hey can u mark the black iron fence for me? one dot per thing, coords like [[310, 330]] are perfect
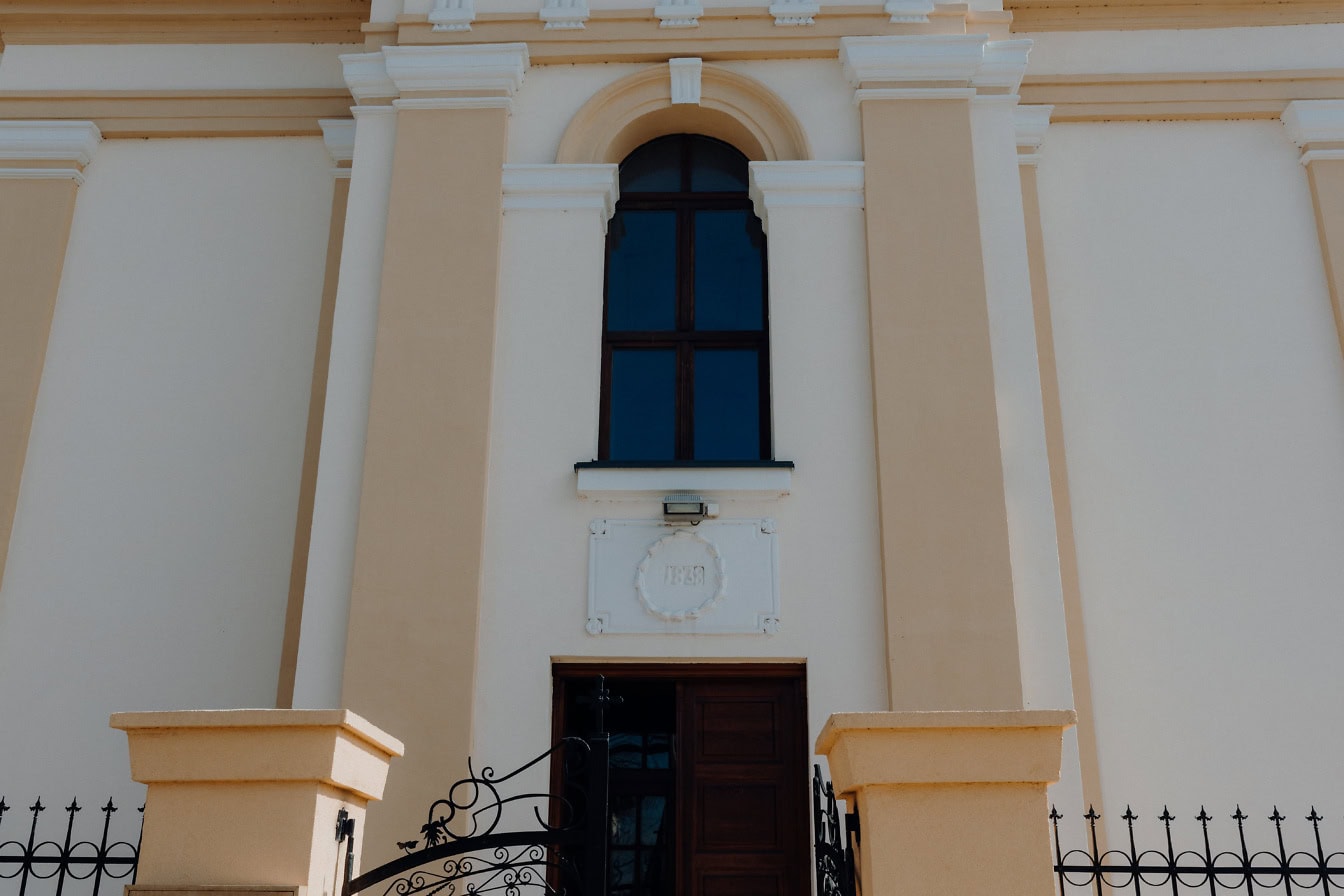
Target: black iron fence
[[833, 842], [1257, 858], [78, 863]]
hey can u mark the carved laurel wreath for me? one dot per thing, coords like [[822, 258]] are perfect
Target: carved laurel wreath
[[680, 615]]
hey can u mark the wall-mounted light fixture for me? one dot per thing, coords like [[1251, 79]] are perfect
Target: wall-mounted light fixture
[[688, 509]]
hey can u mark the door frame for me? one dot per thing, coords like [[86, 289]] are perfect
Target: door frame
[[795, 671]]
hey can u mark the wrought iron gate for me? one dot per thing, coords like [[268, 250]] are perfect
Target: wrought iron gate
[[832, 844], [481, 837]]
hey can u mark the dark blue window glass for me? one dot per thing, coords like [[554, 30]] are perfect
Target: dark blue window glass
[[642, 271], [685, 339], [653, 168], [717, 167], [729, 281], [727, 404], [643, 404]]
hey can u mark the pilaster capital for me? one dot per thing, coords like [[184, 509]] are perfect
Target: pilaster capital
[[924, 66], [1317, 126], [776, 185], [455, 76], [468, 67], [1029, 125], [338, 135], [562, 187], [47, 149]]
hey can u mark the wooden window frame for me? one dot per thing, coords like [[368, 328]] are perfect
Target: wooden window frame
[[685, 340]]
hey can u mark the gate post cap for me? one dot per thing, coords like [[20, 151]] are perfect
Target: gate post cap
[[866, 749], [331, 746]]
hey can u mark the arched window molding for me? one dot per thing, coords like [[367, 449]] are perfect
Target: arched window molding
[[638, 108]]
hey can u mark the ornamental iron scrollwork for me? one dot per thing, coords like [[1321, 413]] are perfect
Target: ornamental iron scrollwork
[[833, 843], [490, 834]]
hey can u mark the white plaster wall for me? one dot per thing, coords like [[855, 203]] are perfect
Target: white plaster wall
[[173, 66], [1203, 403], [545, 419], [149, 563]]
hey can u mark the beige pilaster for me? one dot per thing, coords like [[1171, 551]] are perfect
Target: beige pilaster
[[41, 166], [339, 137], [411, 651], [952, 638], [1317, 126], [250, 797], [949, 802]]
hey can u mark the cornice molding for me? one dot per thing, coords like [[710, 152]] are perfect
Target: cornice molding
[[563, 187], [1130, 15], [1180, 96], [49, 141], [1029, 125], [1314, 121], [1003, 65], [182, 21], [903, 63], [722, 33], [905, 58], [468, 67], [338, 135], [366, 76], [804, 184]]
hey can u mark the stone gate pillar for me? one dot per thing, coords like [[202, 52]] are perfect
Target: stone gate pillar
[[250, 797], [949, 802]]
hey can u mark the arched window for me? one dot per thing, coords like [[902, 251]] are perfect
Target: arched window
[[685, 342]]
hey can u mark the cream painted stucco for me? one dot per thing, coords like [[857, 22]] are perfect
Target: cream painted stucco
[[535, 578], [1202, 392], [172, 66], [1197, 50], [151, 545]]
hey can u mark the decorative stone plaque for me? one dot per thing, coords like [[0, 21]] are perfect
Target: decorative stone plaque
[[651, 577]]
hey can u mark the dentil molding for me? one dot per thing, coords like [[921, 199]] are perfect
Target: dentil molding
[[560, 15], [804, 184], [452, 15], [679, 13], [1029, 126], [795, 12], [946, 60]]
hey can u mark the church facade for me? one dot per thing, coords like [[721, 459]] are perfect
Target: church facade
[[431, 359]]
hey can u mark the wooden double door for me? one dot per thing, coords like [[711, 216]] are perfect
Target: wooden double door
[[708, 776]]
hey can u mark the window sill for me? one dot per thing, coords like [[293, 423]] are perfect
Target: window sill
[[761, 480]]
